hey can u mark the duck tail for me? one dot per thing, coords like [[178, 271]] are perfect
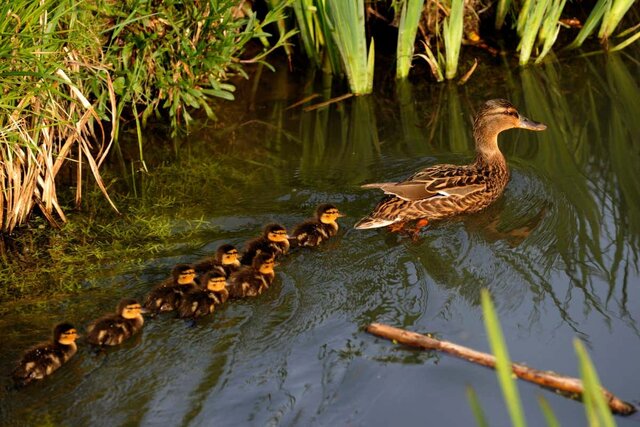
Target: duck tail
[[370, 222]]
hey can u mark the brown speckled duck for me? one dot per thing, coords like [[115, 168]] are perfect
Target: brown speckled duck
[[45, 358], [315, 231], [274, 240], [115, 328], [445, 190]]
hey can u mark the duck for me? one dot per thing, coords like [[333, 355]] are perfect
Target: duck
[[225, 260], [314, 231], [446, 190], [274, 239], [45, 358], [203, 301], [167, 295], [251, 281], [115, 328]]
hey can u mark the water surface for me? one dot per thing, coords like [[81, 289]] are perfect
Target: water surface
[[559, 253]]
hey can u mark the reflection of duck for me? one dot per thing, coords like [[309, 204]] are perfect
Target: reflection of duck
[[167, 295], [251, 281], [114, 328], [203, 301], [274, 240], [225, 260], [442, 191], [45, 358], [314, 231]]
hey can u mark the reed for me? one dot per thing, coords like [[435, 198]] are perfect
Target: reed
[[607, 13], [410, 13], [452, 36], [347, 25], [538, 24]]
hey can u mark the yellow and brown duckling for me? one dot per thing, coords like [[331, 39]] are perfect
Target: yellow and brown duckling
[[115, 328], [226, 260], [251, 281], [203, 301], [315, 231], [45, 358], [167, 295], [274, 239], [446, 190]]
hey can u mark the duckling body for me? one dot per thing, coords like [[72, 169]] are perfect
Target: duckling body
[[115, 328], [225, 261], [274, 240], [167, 296], [45, 358], [251, 281], [445, 190], [319, 229], [203, 301]]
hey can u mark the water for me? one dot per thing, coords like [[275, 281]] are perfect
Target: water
[[559, 253]]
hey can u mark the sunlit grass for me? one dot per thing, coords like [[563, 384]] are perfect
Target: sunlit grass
[[347, 25], [452, 36], [410, 13]]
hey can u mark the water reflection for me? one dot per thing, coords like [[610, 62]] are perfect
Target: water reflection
[[558, 252]]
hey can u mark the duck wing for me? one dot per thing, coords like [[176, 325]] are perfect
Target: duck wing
[[436, 181]]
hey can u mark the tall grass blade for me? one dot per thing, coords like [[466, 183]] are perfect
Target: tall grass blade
[[596, 408], [478, 413], [530, 31], [626, 43], [547, 412], [501, 12], [550, 28], [503, 362], [590, 24], [348, 30], [612, 17], [452, 35], [411, 11]]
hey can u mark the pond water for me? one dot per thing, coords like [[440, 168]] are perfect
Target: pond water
[[559, 253]]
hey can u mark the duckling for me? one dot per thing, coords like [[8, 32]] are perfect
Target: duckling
[[314, 231], [252, 281], [225, 260], [443, 191], [203, 301], [45, 358], [166, 296], [114, 328], [274, 239]]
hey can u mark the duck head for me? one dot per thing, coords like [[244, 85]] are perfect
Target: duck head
[[65, 334], [130, 309], [214, 281], [183, 274], [276, 233], [227, 255], [495, 116], [327, 213], [264, 263]]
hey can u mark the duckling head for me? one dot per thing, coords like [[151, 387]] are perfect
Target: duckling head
[[130, 308], [328, 213], [183, 274], [495, 116], [227, 255], [65, 334], [276, 233], [264, 263], [214, 281]]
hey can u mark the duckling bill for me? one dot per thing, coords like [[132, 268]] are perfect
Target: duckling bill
[[43, 359], [319, 229], [446, 190], [115, 328]]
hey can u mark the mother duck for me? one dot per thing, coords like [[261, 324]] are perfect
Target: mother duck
[[442, 191]]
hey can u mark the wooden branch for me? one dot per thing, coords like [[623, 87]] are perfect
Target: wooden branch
[[568, 385]]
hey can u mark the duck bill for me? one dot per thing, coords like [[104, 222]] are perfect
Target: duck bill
[[530, 124]]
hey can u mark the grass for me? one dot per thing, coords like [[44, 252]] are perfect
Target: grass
[[72, 72], [410, 13], [596, 408]]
